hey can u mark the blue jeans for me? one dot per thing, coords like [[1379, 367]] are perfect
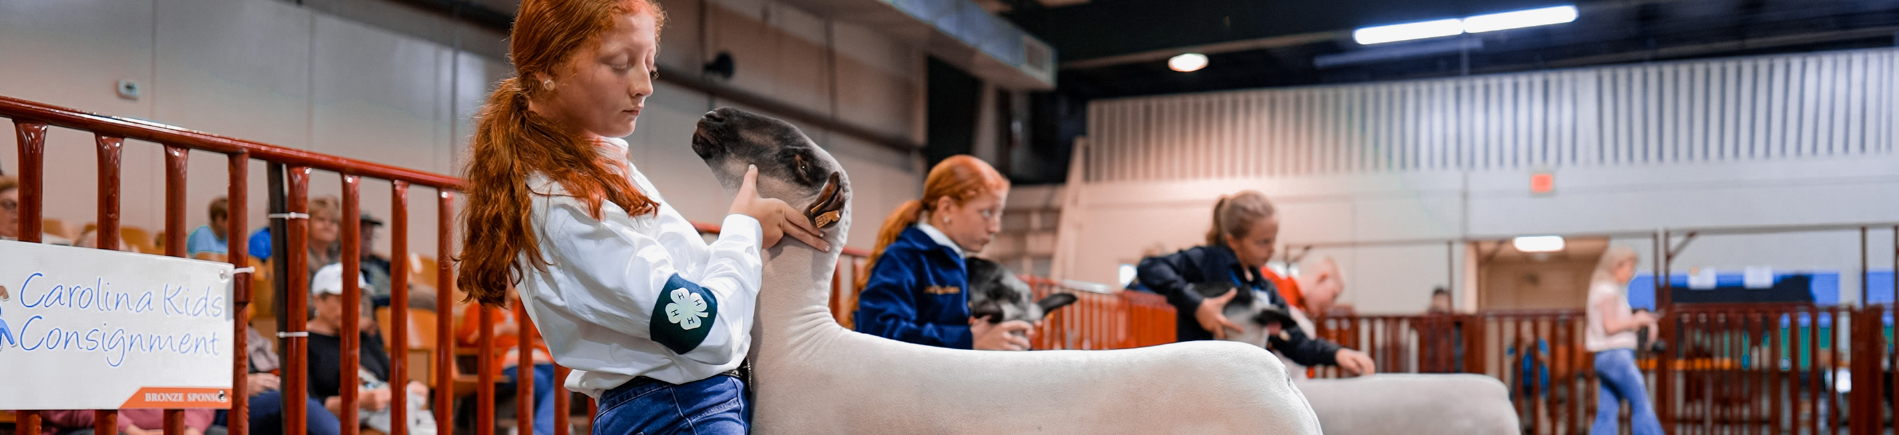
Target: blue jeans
[[267, 416], [711, 406], [1621, 381], [543, 396]]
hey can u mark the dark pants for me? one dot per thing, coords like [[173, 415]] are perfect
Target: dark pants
[[711, 406], [267, 416], [543, 376]]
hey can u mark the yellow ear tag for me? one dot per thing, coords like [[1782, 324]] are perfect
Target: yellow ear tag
[[827, 219]]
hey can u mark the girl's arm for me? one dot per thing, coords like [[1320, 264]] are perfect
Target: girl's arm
[[621, 279], [1169, 274]]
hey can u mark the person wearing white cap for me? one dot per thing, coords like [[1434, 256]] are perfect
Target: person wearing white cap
[[326, 356]]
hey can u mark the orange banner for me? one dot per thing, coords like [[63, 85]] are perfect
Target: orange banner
[[178, 398]]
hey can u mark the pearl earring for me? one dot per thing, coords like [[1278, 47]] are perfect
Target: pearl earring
[[548, 84]]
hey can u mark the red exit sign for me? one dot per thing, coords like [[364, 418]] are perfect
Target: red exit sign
[[1543, 183]]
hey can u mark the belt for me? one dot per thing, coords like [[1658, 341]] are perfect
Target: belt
[[642, 380]]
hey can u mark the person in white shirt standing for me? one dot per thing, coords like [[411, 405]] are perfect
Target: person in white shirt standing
[[653, 320], [1610, 334]]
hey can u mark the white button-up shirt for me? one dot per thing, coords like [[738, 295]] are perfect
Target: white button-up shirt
[[627, 296]]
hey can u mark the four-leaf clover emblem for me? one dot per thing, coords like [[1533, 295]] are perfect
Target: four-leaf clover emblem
[[686, 309]]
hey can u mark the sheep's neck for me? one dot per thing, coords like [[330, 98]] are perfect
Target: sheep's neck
[[797, 286]]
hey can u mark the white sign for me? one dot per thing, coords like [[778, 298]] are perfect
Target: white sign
[[1758, 277], [93, 329], [1703, 279]]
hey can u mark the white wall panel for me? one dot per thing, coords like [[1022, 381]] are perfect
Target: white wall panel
[[1798, 106]]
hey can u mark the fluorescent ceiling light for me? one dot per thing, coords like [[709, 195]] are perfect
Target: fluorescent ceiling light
[[1475, 24], [1189, 62], [1538, 243], [1520, 19], [1408, 31]]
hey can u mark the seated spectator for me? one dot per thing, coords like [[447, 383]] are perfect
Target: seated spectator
[[10, 214], [131, 422], [323, 241], [507, 339], [211, 238], [378, 269], [326, 361], [259, 244], [324, 237], [264, 388]]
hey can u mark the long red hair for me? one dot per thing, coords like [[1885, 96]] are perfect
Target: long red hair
[[959, 177], [512, 143]]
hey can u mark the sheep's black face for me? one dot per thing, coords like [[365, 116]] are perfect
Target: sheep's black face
[[1251, 311], [790, 166], [996, 295]]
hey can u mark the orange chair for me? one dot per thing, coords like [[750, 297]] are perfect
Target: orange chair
[[58, 228], [422, 343], [140, 240]]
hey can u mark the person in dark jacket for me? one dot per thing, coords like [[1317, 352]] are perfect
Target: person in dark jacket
[[916, 289], [1239, 244]]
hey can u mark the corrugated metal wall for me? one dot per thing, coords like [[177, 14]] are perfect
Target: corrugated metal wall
[[1830, 104]]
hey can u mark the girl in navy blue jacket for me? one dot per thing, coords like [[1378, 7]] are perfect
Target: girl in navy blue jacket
[[1239, 244], [916, 289]]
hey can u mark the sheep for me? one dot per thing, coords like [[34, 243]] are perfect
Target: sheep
[[812, 376], [996, 295], [1385, 403]]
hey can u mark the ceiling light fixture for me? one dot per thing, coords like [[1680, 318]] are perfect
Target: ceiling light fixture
[[1538, 243], [1408, 31], [1188, 62], [1520, 19], [1473, 24]]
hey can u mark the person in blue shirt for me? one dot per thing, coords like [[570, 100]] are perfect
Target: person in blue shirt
[[260, 245], [212, 238], [1532, 355], [916, 290], [1244, 231]]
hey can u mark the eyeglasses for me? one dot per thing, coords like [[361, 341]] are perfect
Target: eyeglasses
[[10, 205]]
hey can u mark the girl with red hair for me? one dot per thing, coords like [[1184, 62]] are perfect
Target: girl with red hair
[[653, 320], [916, 290]]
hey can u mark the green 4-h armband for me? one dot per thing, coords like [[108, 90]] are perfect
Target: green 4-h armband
[[683, 315]]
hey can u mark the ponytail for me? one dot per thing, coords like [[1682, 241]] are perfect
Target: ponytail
[[510, 145], [1213, 232], [906, 215], [1234, 215]]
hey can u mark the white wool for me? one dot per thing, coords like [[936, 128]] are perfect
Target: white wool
[[1412, 404], [812, 376]]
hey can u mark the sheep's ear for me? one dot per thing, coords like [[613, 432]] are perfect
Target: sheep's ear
[[827, 211], [1271, 315], [988, 312], [1054, 301]]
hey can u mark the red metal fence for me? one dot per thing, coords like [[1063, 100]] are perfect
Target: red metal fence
[[1730, 368]]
